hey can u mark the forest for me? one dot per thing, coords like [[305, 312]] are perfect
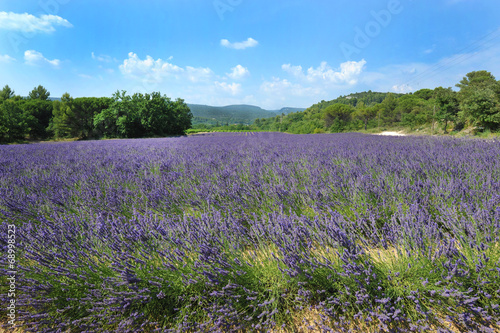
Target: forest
[[37, 117], [475, 106]]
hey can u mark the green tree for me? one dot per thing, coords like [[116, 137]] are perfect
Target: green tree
[[407, 110], [337, 117], [145, 115], [6, 93], [116, 120], [83, 112], [483, 108], [418, 116], [62, 113], [388, 112], [13, 122], [39, 114], [479, 98], [424, 94], [182, 117], [364, 113], [448, 106], [475, 80], [39, 93]]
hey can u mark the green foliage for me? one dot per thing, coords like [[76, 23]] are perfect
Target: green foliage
[[337, 116], [476, 80], [424, 94], [477, 103], [418, 116], [39, 93], [483, 107], [61, 124], [6, 93], [479, 98], [147, 115], [38, 112], [13, 122], [447, 103], [388, 113], [364, 113], [82, 114]]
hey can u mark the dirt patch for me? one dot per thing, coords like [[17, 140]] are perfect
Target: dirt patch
[[387, 133]]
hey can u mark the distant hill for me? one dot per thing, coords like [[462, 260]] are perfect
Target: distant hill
[[233, 114]]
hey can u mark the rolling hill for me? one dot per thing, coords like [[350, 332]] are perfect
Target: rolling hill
[[233, 114]]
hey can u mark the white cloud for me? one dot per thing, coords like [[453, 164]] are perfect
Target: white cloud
[[283, 87], [198, 74], [135, 67], [103, 58], [30, 23], [233, 88], [6, 58], [238, 72], [149, 69], [402, 88], [278, 93], [250, 42], [311, 85], [294, 70], [32, 57], [348, 73]]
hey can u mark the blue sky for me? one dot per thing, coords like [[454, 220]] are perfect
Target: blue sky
[[267, 53]]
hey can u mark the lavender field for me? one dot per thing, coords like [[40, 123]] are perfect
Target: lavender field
[[254, 232]]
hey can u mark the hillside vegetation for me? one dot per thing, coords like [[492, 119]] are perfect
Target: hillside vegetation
[[476, 106]]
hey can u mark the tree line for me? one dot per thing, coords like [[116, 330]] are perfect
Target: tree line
[[475, 105], [37, 117]]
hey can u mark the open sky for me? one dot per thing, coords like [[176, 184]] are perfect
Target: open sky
[[268, 53]]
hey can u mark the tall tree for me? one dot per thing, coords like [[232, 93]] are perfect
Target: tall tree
[[477, 79], [82, 116], [483, 108], [388, 107], [6, 93], [364, 113], [479, 98], [39, 93], [425, 94], [62, 113], [13, 122], [337, 116], [143, 116], [448, 106], [39, 113]]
